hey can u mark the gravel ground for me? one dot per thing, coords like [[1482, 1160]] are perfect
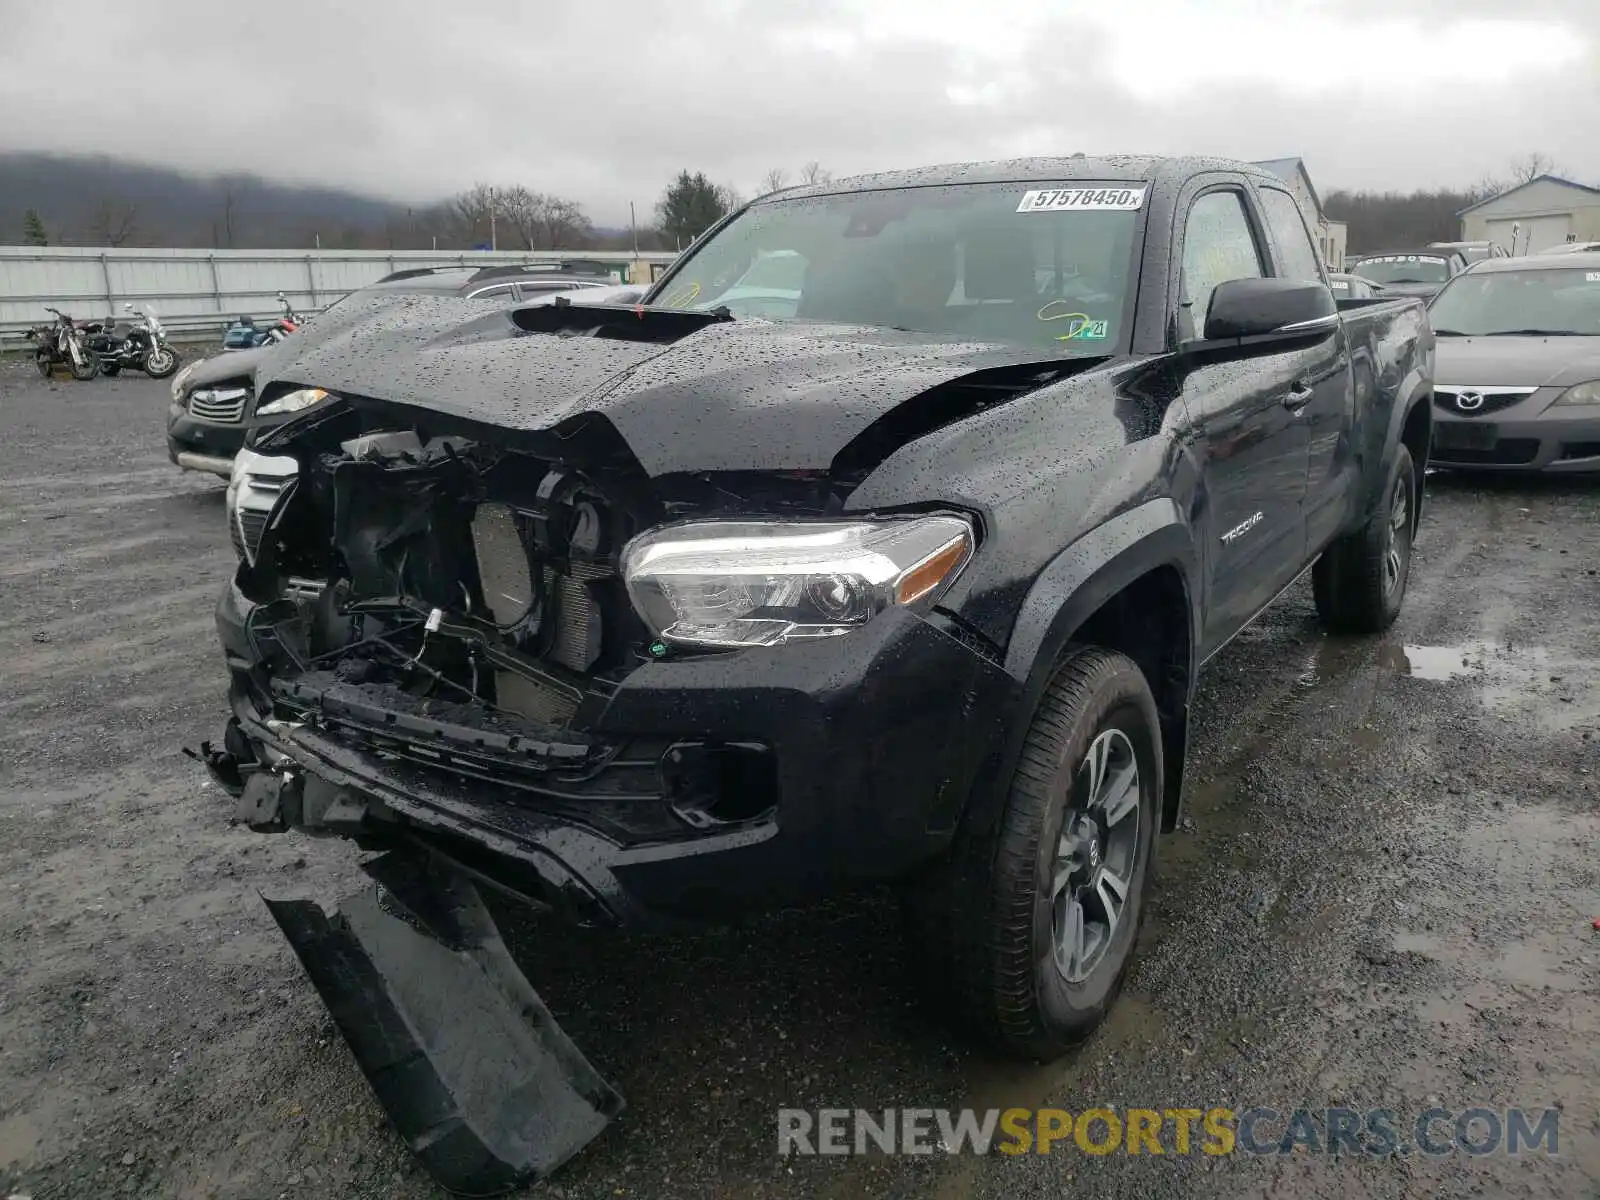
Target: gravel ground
[[1382, 896]]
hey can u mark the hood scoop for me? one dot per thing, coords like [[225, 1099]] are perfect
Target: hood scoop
[[621, 322]]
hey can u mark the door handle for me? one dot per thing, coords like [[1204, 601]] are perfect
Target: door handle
[[1298, 395]]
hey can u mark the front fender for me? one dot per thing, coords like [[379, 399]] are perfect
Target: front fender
[[1097, 566], [1072, 588]]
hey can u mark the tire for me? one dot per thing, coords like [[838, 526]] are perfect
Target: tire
[[1359, 583], [989, 922], [110, 369], [90, 368], [160, 362], [41, 361]]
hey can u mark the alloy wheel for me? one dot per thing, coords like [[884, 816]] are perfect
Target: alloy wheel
[[1399, 538], [1096, 856]]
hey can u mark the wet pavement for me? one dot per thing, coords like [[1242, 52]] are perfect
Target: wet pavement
[[1381, 898]]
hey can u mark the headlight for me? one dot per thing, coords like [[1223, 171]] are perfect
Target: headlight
[[291, 402], [719, 583], [1581, 393], [181, 378]]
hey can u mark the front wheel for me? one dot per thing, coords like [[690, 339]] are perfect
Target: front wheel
[[87, 369], [160, 362], [1032, 921], [110, 369], [1360, 581]]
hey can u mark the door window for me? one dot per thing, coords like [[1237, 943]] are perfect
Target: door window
[[1217, 246], [1296, 256]]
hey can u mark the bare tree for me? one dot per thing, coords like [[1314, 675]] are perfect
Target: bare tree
[[563, 224], [112, 222], [773, 181], [728, 197], [471, 211], [541, 221], [1525, 168], [813, 172], [517, 210]]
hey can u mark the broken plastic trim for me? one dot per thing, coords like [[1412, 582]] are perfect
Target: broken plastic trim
[[463, 1055]]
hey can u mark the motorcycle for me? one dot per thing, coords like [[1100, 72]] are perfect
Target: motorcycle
[[138, 345], [244, 335], [62, 341]]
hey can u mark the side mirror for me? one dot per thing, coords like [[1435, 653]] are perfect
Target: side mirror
[[1255, 308]]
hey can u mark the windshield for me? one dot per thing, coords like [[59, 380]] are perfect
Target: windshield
[[1564, 301], [998, 262], [1403, 268]]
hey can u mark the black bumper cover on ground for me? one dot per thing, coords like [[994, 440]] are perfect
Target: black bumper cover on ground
[[465, 1058]]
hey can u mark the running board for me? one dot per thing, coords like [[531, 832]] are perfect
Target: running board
[[472, 1069]]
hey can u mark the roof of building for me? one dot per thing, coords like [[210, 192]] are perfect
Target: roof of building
[[1582, 187], [1286, 168]]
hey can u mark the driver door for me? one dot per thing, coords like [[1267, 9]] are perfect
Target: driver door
[[1251, 448]]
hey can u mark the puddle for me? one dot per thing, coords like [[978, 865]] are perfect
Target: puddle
[[1562, 693], [1442, 662]]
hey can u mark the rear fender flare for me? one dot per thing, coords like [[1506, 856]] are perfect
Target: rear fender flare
[[1415, 389]]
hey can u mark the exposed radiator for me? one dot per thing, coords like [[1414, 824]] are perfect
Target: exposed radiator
[[502, 564], [574, 635]]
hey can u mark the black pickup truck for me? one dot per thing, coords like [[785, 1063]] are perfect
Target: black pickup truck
[[653, 614]]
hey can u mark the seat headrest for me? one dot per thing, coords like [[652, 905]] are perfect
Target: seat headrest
[[999, 264]]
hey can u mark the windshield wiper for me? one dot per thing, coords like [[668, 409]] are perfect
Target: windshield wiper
[[1450, 333], [1537, 333]]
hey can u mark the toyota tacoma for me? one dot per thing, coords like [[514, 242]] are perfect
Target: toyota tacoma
[[654, 614]]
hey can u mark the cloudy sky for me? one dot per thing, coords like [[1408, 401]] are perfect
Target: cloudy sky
[[603, 100]]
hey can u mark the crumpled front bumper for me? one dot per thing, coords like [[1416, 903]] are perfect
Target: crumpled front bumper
[[867, 747]]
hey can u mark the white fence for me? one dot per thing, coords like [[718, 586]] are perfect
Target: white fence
[[204, 289]]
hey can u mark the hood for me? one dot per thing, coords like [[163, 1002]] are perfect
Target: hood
[[1516, 361], [227, 365], [686, 392]]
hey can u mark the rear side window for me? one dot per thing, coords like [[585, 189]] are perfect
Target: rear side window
[[1297, 255], [1217, 246]]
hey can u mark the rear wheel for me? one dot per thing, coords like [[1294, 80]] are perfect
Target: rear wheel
[[41, 360], [1360, 581], [110, 369], [1032, 922]]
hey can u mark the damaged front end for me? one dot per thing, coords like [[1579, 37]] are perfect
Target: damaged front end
[[503, 659]]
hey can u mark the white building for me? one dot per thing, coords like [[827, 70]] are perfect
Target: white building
[[1543, 212], [1330, 235]]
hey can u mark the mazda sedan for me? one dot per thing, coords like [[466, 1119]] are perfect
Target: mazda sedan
[[1518, 366]]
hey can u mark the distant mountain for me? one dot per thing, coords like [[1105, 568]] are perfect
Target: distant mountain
[[103, 201]]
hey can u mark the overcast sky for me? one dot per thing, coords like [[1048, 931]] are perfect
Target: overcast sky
[[603, 100]]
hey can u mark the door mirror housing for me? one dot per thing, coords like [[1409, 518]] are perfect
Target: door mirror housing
[[1276, 309]]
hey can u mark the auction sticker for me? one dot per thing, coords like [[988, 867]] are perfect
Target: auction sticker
[[1083, 200]]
